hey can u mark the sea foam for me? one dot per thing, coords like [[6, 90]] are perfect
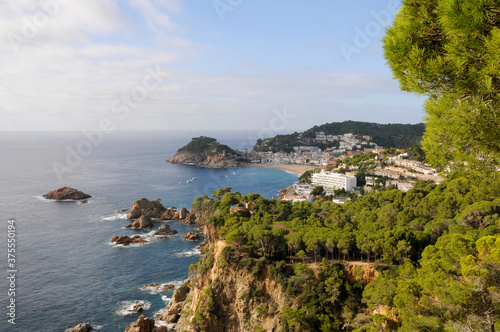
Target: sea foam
[[127, 307], [188, 253], [116, 216]]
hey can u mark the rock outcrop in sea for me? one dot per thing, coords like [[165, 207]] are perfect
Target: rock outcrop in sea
[[143, 324], [183, 215], [158, 287], [83, 327], [142, 222], [145, 207], [126, 240], [165, 230], [66, 193], [192, 236]]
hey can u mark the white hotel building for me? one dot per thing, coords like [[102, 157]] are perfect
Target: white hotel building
[[334, 180]]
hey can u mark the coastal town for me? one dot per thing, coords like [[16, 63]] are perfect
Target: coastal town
[[354, 166]]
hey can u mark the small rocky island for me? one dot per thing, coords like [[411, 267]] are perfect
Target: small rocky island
[[207, 152], [66, 193]]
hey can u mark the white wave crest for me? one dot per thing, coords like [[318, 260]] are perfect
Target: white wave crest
[[159, 289], [158, 314], [41, 198], [188, 253], [127, 307], [162, 323], [116, 216]]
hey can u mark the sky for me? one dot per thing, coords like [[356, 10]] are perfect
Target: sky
[[273, 66]]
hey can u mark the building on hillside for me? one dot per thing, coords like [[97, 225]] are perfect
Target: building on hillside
[[309, 198], [404, 186], [370, 181], [334, 180], [341, 200], [301, 149], [302, 189]]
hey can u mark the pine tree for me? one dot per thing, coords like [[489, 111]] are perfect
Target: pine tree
[[449, 50]]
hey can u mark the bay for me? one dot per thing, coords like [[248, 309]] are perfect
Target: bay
[[67, 270]]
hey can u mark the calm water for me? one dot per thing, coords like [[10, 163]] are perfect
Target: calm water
[[67, 271]]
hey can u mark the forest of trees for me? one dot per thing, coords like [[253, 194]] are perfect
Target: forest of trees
[[436, 247], [207, 145]]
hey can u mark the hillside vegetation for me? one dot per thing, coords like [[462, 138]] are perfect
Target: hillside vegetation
[[436, 249], [387, 135], [205, 145]]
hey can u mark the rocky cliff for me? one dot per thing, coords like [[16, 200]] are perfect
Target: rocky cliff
[[204, 160], [228, 298], [228, 293]]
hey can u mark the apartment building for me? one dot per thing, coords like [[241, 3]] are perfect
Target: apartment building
[[334, 180]]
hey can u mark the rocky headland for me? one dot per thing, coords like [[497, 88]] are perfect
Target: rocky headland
[[66, 193], [207, 152]]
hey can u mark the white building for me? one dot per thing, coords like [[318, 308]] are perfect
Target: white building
[[334, 180], [294, 199], [302, 189], [341, 200], [301, 149]]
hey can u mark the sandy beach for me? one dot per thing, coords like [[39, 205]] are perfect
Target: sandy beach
[[297, 169]]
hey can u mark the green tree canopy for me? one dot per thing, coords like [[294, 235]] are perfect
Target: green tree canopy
[[449, 51], [318, 191]]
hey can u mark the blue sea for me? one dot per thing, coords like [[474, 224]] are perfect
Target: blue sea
[[67, 270]]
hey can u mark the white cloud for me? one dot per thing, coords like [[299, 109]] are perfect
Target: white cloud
[[70, 61], [155, 18], [90, 53]]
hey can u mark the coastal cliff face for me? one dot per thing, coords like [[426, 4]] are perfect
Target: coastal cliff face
[[202, 159], [226, 298], [224, 294]]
